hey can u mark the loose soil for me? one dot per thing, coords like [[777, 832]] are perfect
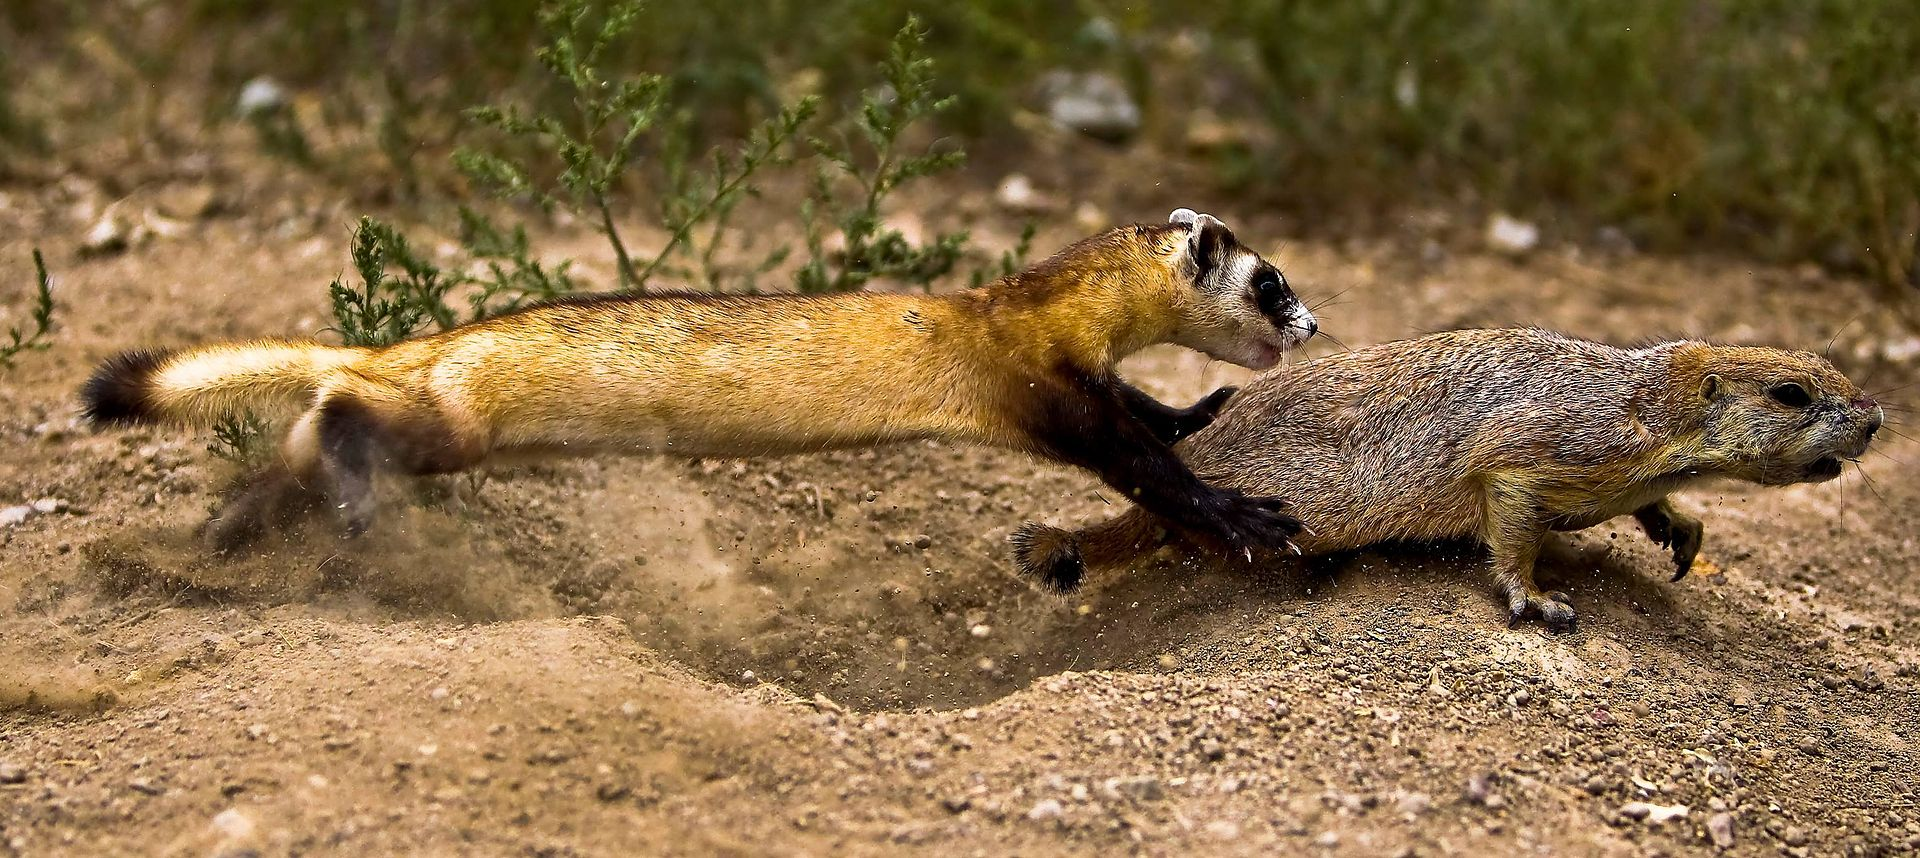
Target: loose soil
[[829, 655]]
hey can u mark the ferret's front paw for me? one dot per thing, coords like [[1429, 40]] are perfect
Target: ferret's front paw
[[1250, 524], [1554, 608]]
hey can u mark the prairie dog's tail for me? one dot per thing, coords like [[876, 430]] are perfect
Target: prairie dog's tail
[[200, 385], [1057, 559]]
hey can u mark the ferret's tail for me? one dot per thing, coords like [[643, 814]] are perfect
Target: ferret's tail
[[1057, 559], [198, 386]]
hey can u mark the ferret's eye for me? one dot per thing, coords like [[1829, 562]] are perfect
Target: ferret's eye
[[1269, 291], [1790, 394]]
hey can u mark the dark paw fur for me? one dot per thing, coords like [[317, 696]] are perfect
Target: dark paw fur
[[266, 501], [1198, 416], [1251, 524], [1202, 413], [1048, 555]]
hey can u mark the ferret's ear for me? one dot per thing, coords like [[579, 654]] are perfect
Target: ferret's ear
[[1710, 387], [1207, 238]]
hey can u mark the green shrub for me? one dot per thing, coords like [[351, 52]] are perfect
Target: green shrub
[[1787, 128], [21, 339]]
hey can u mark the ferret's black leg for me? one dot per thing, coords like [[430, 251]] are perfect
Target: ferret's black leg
[[350, 444], [1170, 424], [1089, 426]]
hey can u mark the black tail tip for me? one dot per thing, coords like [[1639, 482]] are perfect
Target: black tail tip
[[1048, 555], [120, 391]]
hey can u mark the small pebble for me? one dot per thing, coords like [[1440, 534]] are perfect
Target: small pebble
[[12, 774], [1720, 828], [1046, 809]]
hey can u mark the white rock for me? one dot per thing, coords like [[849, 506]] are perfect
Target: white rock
[[1096, 104], [108, 235], [1653, 813], [14, 515], [261, 95], [49, 506], [233, 824], [981, 631], [1512, 235], [1017, 193], [1902, 351], [1046, 809]]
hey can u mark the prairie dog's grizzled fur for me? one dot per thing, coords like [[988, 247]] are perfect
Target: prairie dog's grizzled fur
[[1503, 435], [1025, 363]]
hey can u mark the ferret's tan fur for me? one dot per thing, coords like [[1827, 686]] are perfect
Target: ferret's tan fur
[[1026, 363]]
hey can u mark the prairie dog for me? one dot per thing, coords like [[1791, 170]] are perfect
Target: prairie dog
[[1025, 363], [1501, 435]]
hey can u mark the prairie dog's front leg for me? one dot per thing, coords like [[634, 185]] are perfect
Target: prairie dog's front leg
[[1672, 529], [1514, 534]]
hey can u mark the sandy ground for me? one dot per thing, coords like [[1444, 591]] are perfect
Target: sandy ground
[[828, 654]]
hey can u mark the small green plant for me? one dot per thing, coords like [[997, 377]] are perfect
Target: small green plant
[[240, 439], [385, 308], [511, 276], [703, 201], [1011, 262], [876, 164], [596, 145], [35, 338]]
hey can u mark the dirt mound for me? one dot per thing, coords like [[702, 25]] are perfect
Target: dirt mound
[[829, 654]]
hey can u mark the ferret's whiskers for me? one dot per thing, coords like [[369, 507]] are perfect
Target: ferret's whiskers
[[1329, 299], [1336, 341]]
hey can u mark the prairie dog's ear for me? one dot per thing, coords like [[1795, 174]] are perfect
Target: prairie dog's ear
[[1207, 238]]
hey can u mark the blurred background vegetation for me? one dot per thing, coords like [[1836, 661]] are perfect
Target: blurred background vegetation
[[1789, 130]]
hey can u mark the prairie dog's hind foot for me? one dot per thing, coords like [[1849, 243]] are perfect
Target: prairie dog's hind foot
[[1674, 530], [1553, 607]]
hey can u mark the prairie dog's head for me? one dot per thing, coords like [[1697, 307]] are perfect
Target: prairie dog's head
[[1238, 306], [1778, 417]]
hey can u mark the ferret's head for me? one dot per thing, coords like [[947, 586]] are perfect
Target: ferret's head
[[1778, 417], [1239, 307]]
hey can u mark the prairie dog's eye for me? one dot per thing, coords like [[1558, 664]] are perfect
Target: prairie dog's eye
[[1790, 394]]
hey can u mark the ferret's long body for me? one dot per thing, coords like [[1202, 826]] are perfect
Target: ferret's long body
[[1026, 363]]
